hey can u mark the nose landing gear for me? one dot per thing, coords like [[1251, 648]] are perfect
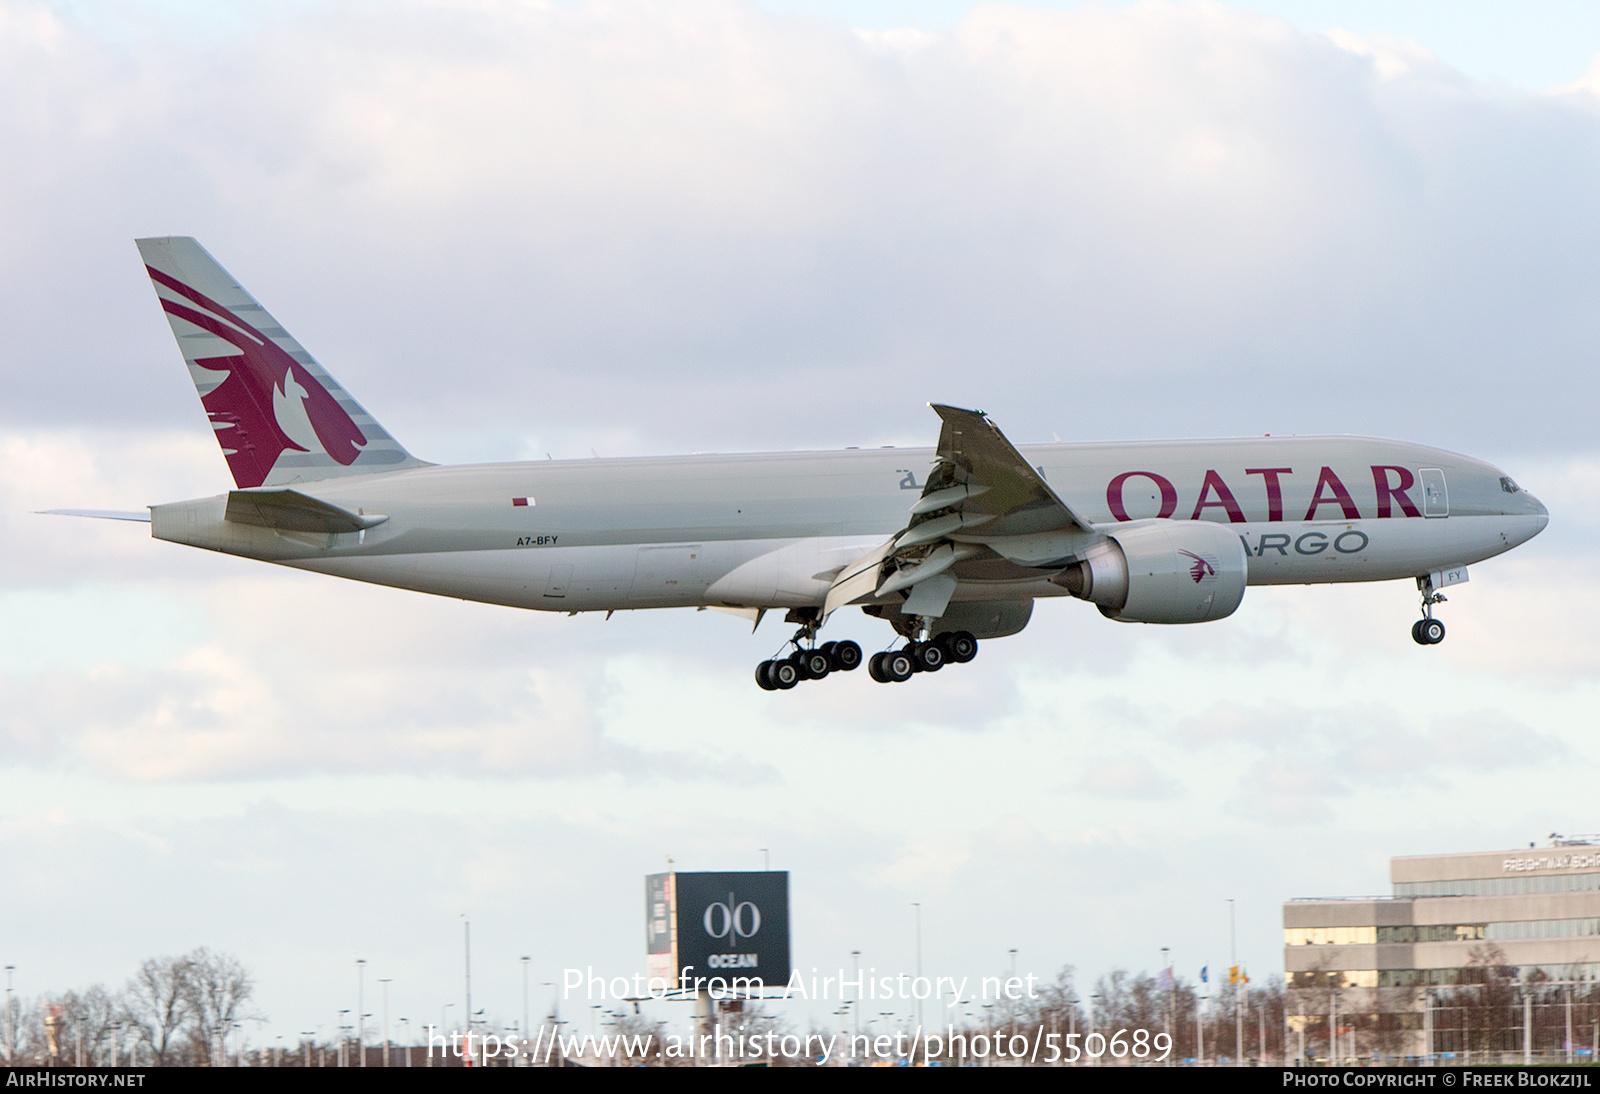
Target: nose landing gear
[[1428, 631]]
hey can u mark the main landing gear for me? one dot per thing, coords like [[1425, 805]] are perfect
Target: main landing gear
[[898, 666], [1428, 631], [810, 661], [807, 663]]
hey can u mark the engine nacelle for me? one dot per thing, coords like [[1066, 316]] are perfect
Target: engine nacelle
[[1162, 571]]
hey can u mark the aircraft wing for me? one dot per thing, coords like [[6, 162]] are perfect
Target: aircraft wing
[[982, 500], [975, 458]]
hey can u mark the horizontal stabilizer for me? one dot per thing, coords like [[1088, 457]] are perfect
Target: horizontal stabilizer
[[142, 515], [292, 511]]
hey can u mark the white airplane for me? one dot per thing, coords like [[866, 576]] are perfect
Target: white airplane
[[947, 545]]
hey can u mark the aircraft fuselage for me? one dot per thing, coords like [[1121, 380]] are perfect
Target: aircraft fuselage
[[771, 530]]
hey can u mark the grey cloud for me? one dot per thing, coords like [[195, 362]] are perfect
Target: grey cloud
[[1296, 759], [705, 223]]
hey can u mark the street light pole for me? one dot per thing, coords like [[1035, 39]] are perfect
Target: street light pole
[[918, 907], [11, 1022], [855, 955], [1233, 974], [1172, 993], [361, 1010], [467, 965], [385, 983], [525, 1026]]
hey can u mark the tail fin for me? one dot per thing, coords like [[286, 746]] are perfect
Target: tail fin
[[279, 417]]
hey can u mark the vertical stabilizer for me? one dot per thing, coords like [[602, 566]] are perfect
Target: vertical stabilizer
[[279, 417]]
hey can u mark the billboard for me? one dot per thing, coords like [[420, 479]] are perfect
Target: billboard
[[708, 928]]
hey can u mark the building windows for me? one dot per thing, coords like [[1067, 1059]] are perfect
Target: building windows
[[1443, 932], [1330, 936], [1543, 928], [1499, 886], [1434, 932], [1477, 974], [1348, 978]]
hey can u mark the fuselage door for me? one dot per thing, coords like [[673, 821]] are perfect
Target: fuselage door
[[560, 579], [1435, 498], [667, 571]]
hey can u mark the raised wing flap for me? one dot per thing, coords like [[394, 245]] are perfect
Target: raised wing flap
[[857, 580], [981, 501], [974, 453], [292, 511]]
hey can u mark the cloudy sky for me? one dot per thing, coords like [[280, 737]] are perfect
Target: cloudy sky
[[626, 227]]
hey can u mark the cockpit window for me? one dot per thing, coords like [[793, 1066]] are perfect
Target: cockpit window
[[1507, 485]]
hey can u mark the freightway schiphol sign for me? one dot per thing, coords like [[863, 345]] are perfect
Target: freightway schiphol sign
[[718, 932]]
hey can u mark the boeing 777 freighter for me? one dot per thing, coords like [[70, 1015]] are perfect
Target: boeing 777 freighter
[[947, 545]]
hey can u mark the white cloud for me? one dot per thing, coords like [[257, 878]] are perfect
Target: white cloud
[[1392, 57], [1133, 777]]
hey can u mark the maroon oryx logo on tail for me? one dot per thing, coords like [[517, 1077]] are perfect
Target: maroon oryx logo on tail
[[1201, 568], [244, 406]]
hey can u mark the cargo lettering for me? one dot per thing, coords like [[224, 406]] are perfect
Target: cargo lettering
[[1348, 542]]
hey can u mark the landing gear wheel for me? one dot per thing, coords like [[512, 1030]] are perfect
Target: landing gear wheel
[[875, 668], [897, 665], [961, 646], [817, 664], [926, 656], [1428, 631], [761, 676], [846, 656], [784, 675]]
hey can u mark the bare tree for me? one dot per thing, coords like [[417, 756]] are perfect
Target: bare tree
[[217, 988], [85, 1022], [158, 1005]]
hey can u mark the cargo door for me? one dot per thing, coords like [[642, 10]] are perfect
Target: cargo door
[[667, 572]]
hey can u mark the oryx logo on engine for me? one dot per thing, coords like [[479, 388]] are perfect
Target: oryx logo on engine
[[1201, 568]]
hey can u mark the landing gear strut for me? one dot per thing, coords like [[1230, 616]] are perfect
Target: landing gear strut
[[1428, 631]]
